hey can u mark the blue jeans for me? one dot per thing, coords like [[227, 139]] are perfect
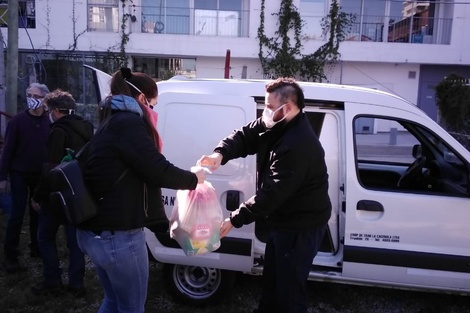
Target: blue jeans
[[49, 223], [21, 186], [121, 262], [288, 259]]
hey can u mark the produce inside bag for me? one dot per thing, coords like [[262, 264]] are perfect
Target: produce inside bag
[[195, 220]]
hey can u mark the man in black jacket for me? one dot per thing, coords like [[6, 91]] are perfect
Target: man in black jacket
[[68, 131], [291, 197]]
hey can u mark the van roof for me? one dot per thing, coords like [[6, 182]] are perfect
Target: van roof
[[316, 92]]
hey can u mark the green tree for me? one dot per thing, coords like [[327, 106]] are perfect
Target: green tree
[[281, 55], [453, 102]]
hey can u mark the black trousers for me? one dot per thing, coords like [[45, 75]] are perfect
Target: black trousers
[[288, 259]]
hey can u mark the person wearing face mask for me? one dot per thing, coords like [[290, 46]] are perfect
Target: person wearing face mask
[[68, 131], [20, 169], [291, 197], [126, 170]]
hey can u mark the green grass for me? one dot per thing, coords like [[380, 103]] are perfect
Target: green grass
[[16, 297]]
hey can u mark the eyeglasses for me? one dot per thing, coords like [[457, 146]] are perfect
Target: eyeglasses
[[29, 95]]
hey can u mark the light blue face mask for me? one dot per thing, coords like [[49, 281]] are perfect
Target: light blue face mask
[[33, 103]]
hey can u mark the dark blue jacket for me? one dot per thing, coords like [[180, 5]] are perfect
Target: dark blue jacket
[[24, 144]]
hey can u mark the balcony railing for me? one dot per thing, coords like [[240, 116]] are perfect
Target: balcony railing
[[188, 21], [418, 28]]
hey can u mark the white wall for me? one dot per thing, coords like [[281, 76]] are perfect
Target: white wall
[[55, 32], [387, 77]]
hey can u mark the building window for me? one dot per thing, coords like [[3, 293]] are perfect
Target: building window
[[217, 17], [103, 15], [165, 68], [400, 21], [26, 13], [196, 17], [312, 12], [162, 16]]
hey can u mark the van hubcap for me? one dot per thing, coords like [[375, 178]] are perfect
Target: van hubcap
[[196, 282]]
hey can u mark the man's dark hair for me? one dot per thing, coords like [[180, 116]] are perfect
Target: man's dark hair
[[60, 100], [287, 89]]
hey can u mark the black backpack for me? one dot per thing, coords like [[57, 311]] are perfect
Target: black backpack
[[69, 190]]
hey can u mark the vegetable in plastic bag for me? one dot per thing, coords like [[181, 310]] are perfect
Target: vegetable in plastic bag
[[195, 220]]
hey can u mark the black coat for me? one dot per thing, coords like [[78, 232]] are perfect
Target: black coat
[[70, 131], [292, 191], [136, 201]]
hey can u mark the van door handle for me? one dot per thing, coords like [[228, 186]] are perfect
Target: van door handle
[[233, 200], [370, 205]]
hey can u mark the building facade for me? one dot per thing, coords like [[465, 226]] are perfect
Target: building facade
[[403, 47]]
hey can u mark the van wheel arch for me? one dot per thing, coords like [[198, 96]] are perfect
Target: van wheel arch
[[197, 285]]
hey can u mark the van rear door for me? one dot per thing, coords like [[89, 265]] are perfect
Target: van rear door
[[407, 202], [191, 125]]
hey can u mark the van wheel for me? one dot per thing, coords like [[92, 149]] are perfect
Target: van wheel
[[196, 285]]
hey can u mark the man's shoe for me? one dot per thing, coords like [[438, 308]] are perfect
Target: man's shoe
[[77, 292], [44, 289]]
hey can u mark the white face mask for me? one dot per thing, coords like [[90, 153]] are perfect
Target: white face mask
[[33, 103], [268, 117]]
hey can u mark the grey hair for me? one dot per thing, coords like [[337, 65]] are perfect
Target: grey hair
[[42, 88]]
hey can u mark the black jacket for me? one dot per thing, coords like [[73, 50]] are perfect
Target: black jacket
[[136, 201], [70, 131], [292, 191]]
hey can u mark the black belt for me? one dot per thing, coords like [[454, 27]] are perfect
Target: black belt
[[99, 232]]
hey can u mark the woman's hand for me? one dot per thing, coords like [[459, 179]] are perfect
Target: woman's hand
[[200, 173]]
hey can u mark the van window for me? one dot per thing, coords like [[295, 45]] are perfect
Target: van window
[[401, 156]]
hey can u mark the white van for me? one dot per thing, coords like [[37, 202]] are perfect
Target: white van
[[398, 182]]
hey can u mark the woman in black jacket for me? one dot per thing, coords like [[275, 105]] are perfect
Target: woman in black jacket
[[125, 171]]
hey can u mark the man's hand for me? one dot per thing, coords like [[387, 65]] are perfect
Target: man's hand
[[35, 206], [4, 187], [225, 228], [212, 161]]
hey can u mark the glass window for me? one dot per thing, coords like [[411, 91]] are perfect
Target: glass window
[[230, 5], [103, 15], [402, 156], [205, 4], [163, 16], [311, 12]]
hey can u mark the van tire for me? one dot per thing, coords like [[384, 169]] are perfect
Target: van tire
[[196, 285]]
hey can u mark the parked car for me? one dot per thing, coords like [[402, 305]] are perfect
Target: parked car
[[398, 182]]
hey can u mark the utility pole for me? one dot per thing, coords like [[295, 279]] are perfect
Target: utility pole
[[12, 59]]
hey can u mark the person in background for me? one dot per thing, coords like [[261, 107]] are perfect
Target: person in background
[[20, 169], [126, 149], [291, 197], [68, 130]]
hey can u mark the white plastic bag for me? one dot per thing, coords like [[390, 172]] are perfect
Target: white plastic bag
[[195, 220]]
